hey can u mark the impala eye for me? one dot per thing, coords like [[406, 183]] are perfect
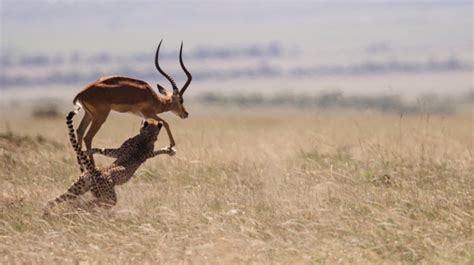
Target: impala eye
[[181, 101], [145, 123]]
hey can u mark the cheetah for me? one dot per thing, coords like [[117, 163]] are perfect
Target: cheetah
[[101, 181]]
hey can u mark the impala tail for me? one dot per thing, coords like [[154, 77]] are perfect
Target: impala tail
[[77, 105]]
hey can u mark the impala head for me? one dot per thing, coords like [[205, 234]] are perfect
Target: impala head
[[176, 97]]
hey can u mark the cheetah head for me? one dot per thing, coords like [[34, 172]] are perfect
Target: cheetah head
[[151, 127]]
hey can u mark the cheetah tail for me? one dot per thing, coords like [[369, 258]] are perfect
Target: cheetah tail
[[82, 159], [72, 138]]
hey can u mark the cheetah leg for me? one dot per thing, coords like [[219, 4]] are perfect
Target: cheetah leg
[[79, 187], [104, 193]]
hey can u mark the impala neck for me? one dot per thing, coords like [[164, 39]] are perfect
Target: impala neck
[[165, 102]]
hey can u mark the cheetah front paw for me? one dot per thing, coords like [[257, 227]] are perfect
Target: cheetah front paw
[[171, 151]]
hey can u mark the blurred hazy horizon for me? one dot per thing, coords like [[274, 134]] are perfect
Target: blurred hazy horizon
[[358, 48]]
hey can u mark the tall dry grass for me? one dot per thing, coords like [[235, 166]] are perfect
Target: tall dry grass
[[314, 188]]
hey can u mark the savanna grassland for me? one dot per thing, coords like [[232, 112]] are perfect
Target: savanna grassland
[[300, 187]]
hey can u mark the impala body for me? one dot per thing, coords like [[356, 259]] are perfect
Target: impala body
[[113, 92], [125, 94]]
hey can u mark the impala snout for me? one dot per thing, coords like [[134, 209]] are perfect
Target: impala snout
[[182, 113]]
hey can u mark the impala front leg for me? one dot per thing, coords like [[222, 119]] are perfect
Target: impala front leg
[[167, 127]]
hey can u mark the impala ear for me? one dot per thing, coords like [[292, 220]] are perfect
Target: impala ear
[[161, 89]]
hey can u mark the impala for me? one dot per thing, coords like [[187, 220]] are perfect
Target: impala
[[125, 94]]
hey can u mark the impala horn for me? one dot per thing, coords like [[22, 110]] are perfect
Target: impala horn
[[185, 70], [173, 83]]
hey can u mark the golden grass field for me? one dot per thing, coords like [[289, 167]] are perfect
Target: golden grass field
[[269, 187]]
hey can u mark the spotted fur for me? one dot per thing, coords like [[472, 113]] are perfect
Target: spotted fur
[[101, 181]]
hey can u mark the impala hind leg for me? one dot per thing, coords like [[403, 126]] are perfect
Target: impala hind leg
[[97, 122], [86, 121]]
